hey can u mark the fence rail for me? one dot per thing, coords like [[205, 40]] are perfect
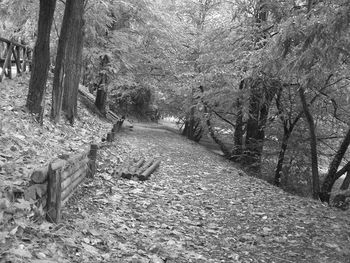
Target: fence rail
[[14, 53]]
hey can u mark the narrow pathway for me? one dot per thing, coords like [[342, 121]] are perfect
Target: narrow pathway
[[196, 208]]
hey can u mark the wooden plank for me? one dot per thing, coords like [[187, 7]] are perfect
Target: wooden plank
[[73, 164], [54, 193], [73, 176], [73, 185]]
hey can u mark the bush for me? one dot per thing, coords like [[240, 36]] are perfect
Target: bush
[[131, 100]]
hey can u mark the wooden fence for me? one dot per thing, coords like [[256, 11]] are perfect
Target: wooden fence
[[56, 182], [14, 53], [52, 185]]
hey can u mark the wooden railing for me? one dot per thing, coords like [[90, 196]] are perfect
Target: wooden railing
[[15, 53]]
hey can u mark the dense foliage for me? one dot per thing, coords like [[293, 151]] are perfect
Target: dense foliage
[[269, 77]]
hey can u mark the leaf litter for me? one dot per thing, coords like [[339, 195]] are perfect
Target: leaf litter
[[197, 207]]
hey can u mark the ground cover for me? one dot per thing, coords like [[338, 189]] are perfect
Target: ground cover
[[197, 207]]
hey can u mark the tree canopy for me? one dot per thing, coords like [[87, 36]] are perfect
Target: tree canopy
[[267, 80]]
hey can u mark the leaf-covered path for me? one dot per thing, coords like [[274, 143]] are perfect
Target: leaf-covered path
[[195, 208]]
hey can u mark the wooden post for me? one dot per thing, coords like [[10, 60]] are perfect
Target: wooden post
[[54, 191], [24, 61], [7, 61], [17, 57], [109, 137], [29, 57], [92, 161], [115, 127]]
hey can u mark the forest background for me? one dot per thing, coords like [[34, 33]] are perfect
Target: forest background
[[267, 80]]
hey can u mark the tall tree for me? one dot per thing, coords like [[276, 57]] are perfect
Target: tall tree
[[262, 89], [41, 59], [74, 50], [68, 62]]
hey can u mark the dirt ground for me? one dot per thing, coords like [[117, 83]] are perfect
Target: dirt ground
[[197, 207]]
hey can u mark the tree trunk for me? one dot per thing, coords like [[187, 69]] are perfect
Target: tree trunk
[[313, 145], [101, 99], [222, 146], [101, 95], [73, 60], [332, 170], [239, 129], [60, 71], [346, 182], [41, 60], [278, 171], [262, 93]]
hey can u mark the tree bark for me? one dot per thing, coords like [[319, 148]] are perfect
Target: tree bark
[[262, 93], [60, 71], [313, 145], [284, 145], [222, 146], [41, 60], [332, 170], [239, 129], [346, 182], [101, 98], [101, 95], [73, 60], [68, 62]]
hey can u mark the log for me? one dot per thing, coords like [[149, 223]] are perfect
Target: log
[[58, 163], [133, 169], [89, 101], [35, 191], [112, 116], [145, 175], [144, 167], [54, 192], [39, 175], [11, 42], [124, 172]]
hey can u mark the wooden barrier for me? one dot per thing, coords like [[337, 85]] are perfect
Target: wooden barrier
[[14, 55], [54, 184]]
